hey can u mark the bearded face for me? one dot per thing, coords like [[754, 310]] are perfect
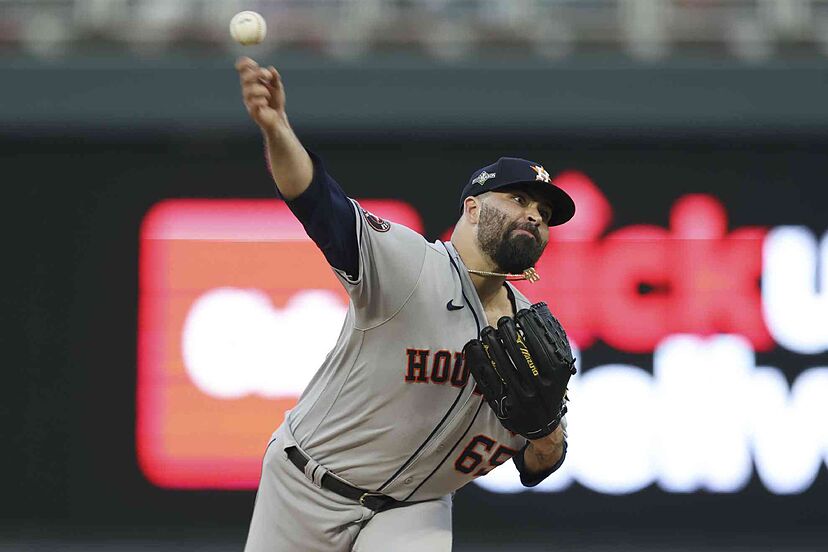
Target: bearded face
[[499, 238]]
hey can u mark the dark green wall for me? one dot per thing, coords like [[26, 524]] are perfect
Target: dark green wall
[[400, 93]]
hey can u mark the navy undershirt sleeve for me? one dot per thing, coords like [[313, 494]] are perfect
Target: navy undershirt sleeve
[[329, 219], [531, 479]]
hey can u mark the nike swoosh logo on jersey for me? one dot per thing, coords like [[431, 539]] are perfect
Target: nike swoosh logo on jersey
[[452, 307]]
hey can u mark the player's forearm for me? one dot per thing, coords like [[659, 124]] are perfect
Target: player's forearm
[[542, 454], [290, 164]]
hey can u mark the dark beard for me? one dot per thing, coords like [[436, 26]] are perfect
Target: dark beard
[[511, 253]]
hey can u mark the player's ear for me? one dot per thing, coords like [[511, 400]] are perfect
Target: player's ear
[[471, 209]]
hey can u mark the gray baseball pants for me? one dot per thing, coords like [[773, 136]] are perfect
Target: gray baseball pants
[[291, 514]]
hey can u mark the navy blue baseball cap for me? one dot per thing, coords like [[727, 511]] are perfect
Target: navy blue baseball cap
[[513, 171]]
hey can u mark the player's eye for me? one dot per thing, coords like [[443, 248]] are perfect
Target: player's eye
[[519, 198]]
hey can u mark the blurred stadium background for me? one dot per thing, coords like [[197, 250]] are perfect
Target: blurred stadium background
[[694, 134]]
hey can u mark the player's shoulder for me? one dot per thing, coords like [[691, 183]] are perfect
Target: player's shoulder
[[439, 248], [382, 226]]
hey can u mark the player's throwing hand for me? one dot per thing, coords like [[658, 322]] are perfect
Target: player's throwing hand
[[264, 98], [263, 94]]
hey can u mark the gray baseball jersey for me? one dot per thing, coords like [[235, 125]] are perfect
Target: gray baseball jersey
[[393, 408]]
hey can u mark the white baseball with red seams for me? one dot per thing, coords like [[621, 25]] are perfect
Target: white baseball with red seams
[[248, 27]]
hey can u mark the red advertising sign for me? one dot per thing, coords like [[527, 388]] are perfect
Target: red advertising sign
[[222, 283]]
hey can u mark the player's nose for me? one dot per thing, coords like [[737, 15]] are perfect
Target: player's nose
[[533, 214]]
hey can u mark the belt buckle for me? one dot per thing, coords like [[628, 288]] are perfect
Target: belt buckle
[[368, 494]]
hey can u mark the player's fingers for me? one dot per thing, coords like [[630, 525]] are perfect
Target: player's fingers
[[278, 99], [260, 101], [250, 75], [254, 109], [244, 63], [263, 76], [275, 77], [255, 104], [256, 91], [249, 70]]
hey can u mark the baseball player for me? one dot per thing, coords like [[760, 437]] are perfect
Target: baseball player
[[392, 423]]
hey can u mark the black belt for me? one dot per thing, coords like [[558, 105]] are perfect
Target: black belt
[[371, 500]]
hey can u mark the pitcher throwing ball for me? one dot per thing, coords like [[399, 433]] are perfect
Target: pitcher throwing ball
[[443, 370]]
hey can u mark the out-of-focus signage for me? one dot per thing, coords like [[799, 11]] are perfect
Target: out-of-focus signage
[[228, 288], [228, 293]]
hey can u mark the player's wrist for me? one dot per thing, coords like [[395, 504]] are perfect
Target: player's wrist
[[540, 457], [277, 130], [548, 445]]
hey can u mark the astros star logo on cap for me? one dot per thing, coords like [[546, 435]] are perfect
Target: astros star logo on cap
[[542, 174]]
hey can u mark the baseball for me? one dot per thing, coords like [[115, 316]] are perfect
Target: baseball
[[248, 27]]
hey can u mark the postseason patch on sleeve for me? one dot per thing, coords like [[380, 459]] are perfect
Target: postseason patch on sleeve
[[375, 222]]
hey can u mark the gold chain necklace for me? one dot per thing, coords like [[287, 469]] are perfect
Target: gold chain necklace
[[529, 275]]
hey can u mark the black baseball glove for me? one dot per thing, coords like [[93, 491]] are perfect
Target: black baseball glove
[[523, 368]]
